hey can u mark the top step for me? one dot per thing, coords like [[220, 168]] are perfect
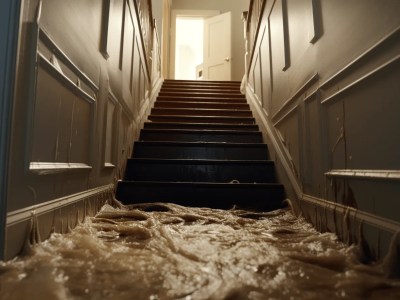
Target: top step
[[200, 89], [201, 82], [190, 87], [205, 93]]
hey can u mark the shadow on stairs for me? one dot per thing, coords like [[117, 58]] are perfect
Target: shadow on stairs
[[201, 147]]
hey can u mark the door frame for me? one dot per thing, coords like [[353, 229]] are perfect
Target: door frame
[[175, 13]]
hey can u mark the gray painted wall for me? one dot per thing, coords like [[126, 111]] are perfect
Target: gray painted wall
[[324, 82], [9, 24], [236, 7], [83, 90]]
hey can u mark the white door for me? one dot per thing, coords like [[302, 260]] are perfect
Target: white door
[[217, 48]]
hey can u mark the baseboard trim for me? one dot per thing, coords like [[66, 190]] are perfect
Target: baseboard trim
[[357, 215], [354, 214], [26, 213], [263, 121]]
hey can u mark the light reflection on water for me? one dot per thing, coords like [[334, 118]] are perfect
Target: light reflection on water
[[168, 251]]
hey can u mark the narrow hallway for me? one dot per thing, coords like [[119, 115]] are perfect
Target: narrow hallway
[[118, 182]]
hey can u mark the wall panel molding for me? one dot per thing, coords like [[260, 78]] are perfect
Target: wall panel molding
[[287, 115], [59, 53], [60, 76], [110, 130], [268, 128], [105, 28], [393, 35], [354, 214], [278, 22], [336, 109], [27, 212], [309, 82], [50, 61], [265, 12], [286, 43], [35, 223], [361, 79], [145, 47], [315, 27], [305, 204], [47, 168], [311, 96], [265, 69], [387, 175]]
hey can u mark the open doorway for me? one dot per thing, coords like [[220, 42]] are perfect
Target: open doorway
[[188, 46]]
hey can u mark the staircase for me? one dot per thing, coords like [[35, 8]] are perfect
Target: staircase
[[201, 147]]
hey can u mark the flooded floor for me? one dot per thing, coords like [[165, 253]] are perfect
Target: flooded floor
[[173, 252]]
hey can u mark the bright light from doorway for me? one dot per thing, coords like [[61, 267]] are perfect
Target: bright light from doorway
[[188, 47]]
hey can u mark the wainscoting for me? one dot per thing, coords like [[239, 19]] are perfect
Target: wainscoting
[[87, 76], [331, 113]]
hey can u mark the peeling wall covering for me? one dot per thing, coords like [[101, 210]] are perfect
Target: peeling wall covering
[[323, 79], [85, 84]]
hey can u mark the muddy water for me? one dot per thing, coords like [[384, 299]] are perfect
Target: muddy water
[[173, 252]]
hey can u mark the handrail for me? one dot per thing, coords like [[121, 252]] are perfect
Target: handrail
[[156, 54], [252, 23], [145, 14]]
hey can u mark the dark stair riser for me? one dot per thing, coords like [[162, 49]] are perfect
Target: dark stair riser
[[253, 196], [200, 136], [203, 119], [197, 126], [201, 82], [200, 112], [201, 89], [196, 104], [199, 171], [209, 88], [175, 150], [202, 94], [189, 98]]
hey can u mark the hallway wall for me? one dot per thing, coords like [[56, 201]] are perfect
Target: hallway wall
[[236, 7], [324, 79], [84, 87], [9, 24]]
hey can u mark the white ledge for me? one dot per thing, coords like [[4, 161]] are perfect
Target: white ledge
[[26, 213], [43, 168], [366, 174]]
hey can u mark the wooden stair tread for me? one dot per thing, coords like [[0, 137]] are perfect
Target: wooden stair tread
[[177, 125], [203, 161], [205, 119], [201, 147], [200, 112], [198, 104], [203, 144]]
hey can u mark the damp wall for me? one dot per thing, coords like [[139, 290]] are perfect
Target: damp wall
[[9, 24], [87, 73], [323, 80]]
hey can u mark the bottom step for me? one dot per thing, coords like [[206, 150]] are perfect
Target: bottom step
[[263, 197]]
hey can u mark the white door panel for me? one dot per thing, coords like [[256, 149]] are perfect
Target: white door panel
[[217, 48]]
